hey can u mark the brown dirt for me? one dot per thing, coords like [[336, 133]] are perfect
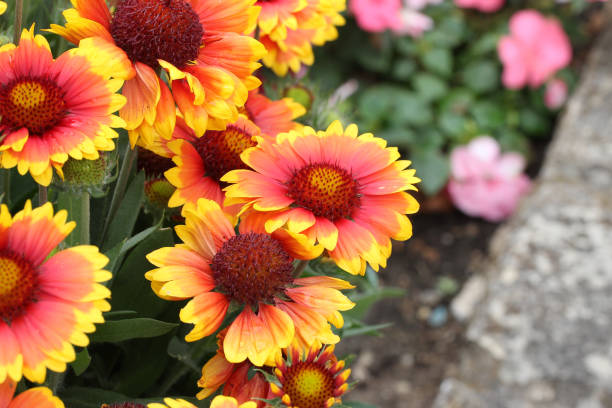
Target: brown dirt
[[405, 366]]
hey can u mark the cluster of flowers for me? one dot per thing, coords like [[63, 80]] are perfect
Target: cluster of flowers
[[261, 195], [483, 182]]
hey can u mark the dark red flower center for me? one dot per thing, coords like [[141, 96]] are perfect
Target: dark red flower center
[[148, 30], [153, 164], [252, 268], [220, 149], [325, 189], [308, 384], [18, 282], [34, 103]]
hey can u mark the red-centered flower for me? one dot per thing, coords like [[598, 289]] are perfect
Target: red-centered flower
[[47, 303], [234, 378], [53, 109], [189, 39], [315, 380], [38, 397], [290, 45], [215, 266], [344, 191], [273, 117], [201, 162]]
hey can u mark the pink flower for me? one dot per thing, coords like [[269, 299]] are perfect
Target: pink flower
[[486, 6], [377, 15], [556, 93], [536, 48], [414, 23], [484, 182], [420, 4]]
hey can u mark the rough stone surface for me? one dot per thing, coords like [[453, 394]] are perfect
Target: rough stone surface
[[542, 336]]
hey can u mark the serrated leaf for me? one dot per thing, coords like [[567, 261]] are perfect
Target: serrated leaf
[[120, 330]]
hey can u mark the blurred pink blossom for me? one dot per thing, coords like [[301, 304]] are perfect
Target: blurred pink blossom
[[380, 15], [484, 182], [420, 4], [377, 15], [536, 48], [414, 23], [555, 94], [486, 6]]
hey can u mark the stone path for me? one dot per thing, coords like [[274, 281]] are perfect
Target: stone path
[[542, 333]]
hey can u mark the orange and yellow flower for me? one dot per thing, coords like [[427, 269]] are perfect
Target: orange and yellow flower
[[315, 380], [47, 303], [215, 266], [342, 190], [273, 117], [187, 39], [39, 397], [201, 162], [2, 7], [220, 401], [53, 109], [234, 378], [293, 26]]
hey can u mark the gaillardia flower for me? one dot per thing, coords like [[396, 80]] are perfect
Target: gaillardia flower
[[189, 40], [316, 380], [289, 28], [39, 397], [219, 401], [54, 109], [234, 378], [254, 270], [47, 303], [344, 191], [273, 117], [201, 162]]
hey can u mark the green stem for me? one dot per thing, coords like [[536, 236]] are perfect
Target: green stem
[[124, 175], [42, 195], [84, 239], [18, 20], [55, 381], [299, 268]]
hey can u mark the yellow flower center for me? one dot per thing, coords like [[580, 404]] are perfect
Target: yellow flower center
[[309, 385], [148, 30], [34, 103], [252, 268], [220, 149], [325, 189], [17, 285]]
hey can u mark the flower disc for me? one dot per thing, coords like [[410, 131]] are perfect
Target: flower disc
[[148, 30], [17, 285]]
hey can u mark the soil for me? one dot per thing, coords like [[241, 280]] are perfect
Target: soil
[[405, 367]]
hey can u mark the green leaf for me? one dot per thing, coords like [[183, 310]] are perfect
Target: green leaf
[[448, 33], [439, 61], [398, 136], [364, 301], [488, 115], [487, 43], [80, 364], [409, 109], [122, 225], [71, 202], [534, 123], [429, 87], [374, 103], [481, 76], [452, 123], [370, 330], [357, 404], [120, 330], [432, 168], [403, 69], [457, 101], [131, 291]]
